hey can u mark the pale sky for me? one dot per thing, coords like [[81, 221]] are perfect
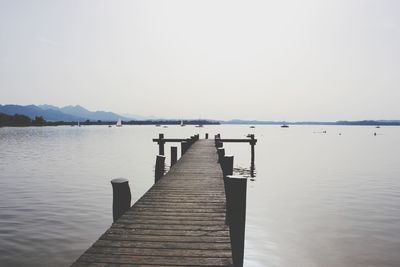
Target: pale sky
[[266, 60]]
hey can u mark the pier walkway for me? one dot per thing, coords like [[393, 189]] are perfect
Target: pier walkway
[[180, 221]]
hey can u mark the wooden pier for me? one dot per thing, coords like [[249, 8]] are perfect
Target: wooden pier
[[180, 221]]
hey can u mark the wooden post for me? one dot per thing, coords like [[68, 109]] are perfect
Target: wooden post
[[221, 154], [161, 143], [189, 142], [174, 155], [227, 169], [160, 168], [184, 147], [206, 135], [252, 143], [227, 165], [121, 197], [219, 144], [236, 187]]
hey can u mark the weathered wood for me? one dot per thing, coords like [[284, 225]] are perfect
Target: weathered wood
[[180, 221], [236, 188], [174, 155], [184, 147], [161, 143], [160, 168], [227, 165], [221, 154], [121, 197]]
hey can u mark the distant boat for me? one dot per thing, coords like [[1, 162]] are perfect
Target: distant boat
[[378, 126], [284, 126], [252, 126], [200, 125], [165, 126], [79, 124], [119, 123], [109, 126], [158, 125], [182, 123]]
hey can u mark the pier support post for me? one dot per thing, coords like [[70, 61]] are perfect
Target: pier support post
[[121, 197], [236, 187], [227, 169], [161, 143], [160, 168], [184, 147], [174, 155], [221, 154], [219, 144], [227, 165], [252, 143], [206, 136]]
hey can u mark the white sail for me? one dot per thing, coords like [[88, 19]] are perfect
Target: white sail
[[119, 123]]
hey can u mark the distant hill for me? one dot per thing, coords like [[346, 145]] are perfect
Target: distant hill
[[54, 113], [32, 111], [81, 112]]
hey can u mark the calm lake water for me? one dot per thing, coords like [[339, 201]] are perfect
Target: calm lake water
[[318, 199]]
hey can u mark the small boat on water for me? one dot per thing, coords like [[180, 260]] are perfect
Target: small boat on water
[[252, 126], [200, 125], [284, 126], [119, 123], [165, 126], [378, 126], [158, 125]]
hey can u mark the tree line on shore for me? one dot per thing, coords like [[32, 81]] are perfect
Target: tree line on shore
[[19, 120]]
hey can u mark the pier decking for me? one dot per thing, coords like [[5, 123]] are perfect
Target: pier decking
[[180, 221]]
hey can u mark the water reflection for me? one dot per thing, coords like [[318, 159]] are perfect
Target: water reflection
[[319, 200]]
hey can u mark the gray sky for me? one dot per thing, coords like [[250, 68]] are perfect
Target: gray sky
[[272, 60]]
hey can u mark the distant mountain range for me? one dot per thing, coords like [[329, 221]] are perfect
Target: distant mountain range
[[78, 113], [67, 113]]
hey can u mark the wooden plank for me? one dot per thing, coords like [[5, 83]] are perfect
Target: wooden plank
[[180, 221], [160, 260]]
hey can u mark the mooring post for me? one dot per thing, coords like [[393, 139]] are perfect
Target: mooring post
[[227, 169], [184, 146], [236, 187], [121, 197], [252, 143], [221, 154], [174, 155], [206, 136], [161, 143], [219, 144], [227, 165], [193, 139], [160, 168]]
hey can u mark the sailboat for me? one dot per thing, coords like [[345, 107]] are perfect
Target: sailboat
[[182, 123], [119, 123]]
